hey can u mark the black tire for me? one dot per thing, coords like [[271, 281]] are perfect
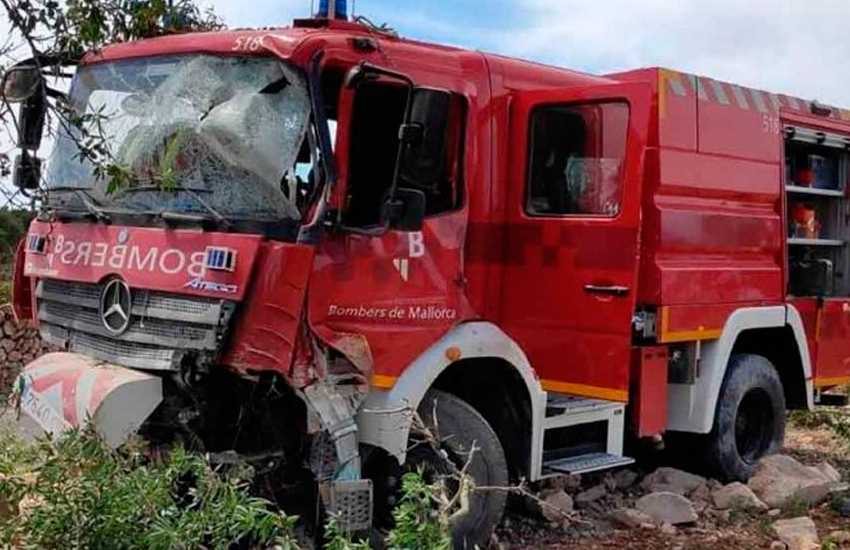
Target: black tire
[[456, 426], [459, 427], [750, 419]]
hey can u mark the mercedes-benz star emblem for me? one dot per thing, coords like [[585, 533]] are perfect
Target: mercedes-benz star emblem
[[116, 301]]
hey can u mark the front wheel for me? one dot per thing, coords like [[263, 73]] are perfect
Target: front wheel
[[750, 418], [455, 431]]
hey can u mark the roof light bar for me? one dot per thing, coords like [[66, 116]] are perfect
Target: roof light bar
[[333, 9]]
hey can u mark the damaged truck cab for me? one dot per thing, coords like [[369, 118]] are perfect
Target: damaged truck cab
[[336, 255]]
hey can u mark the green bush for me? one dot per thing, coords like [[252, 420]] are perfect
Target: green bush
[[75, 492]]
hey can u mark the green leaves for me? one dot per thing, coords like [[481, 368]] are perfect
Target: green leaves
[[68, 30], [420, 523], [77, 493], [85, 25]]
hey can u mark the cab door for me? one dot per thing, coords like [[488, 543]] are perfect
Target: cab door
[[573, 233]]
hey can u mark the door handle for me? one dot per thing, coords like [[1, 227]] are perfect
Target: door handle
[[608, 290]]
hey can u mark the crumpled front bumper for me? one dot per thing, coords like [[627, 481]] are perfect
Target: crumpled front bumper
[[62, 391]]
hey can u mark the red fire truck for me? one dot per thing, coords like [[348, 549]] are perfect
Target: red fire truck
[[329, 229]]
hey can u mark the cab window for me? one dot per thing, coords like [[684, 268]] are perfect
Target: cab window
[[577, 156], [378, 113]]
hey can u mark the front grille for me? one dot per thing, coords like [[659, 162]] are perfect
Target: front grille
[[163, 327]]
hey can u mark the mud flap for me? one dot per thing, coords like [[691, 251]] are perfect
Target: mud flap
[[62, 391]]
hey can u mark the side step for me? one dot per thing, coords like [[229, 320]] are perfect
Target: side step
[[582, 464], [566, 411]]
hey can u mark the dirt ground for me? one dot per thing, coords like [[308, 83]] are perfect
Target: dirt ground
[[736, 531]]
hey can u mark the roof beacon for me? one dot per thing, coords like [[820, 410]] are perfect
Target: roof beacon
[[333, 9]]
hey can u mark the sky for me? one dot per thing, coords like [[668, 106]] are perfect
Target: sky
[[795, 47]]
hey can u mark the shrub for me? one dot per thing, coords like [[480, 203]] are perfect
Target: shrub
[[77, 493]]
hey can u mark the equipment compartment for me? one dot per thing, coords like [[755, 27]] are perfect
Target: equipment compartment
[[816, 175]]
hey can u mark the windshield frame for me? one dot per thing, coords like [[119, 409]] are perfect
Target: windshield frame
[[64, 195]]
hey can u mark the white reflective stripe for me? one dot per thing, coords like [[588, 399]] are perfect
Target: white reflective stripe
[[719, 92], [774, 99], [696, 84], [759, 101], [676, 86], [792, 101], [740, 97]]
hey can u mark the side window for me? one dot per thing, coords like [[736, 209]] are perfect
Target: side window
[[577, 158], [378, 114]]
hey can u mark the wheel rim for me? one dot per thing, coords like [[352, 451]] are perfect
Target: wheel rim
[[754, 425], [387, 475]]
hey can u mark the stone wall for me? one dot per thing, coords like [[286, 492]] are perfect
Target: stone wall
[[19, 344]]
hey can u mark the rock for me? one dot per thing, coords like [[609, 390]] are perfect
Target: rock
[[666, 507], [591, 495], [737, 496], [648, 526], [9, 329], [671, 480], [629, 518], [556, 506], [624, 479], [780, 481], [798, 533], [829, 471], [566, 482], [701, 494], [668, 529], [839, 537], [775, 512], [776, 545]]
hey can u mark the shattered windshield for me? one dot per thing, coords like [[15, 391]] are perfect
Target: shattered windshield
[[194, 134]]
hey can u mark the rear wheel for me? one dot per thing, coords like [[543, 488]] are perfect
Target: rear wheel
[[750, 418], [458, 431]]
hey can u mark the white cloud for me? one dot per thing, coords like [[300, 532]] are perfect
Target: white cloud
[[790, 46]]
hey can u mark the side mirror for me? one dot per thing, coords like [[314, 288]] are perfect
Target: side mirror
[[405, 211], [31, 119], [21, 83], [424, 150], [27, 174]]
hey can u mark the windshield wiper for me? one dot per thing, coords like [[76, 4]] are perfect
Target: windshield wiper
[[173, 216], [88, 201]]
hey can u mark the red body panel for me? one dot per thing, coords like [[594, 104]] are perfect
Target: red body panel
[[146, 258], [579, 342], [268, 326], [713, 229], [832, 334], [648, 390]]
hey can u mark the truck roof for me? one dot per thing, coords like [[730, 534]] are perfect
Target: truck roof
[[728, 94], [284, 42]]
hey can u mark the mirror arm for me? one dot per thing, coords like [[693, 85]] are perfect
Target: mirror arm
[[310, 232]]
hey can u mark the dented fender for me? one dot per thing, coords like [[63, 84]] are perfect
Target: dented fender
[[63, 391]]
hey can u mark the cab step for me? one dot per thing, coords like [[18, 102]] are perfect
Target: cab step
[[580, 434], [591, 462]]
